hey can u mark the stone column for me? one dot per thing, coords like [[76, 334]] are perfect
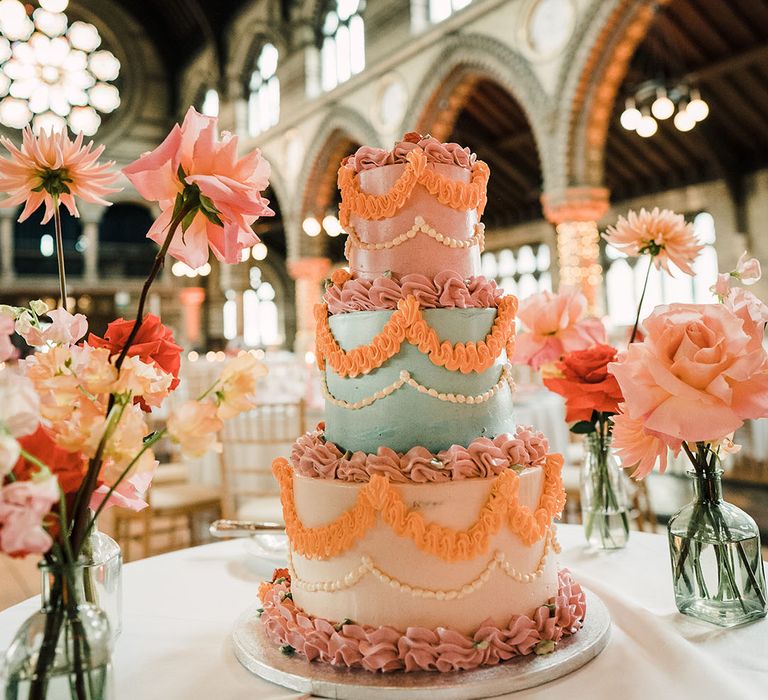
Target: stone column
[[6, 244], [574, 212], [308, 273]]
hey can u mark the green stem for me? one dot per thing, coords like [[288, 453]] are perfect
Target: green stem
[[60, 253], [640, 305]]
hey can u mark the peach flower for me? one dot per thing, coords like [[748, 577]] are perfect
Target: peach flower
[[637, 447], [49, 165], [748, 269], [194, 425], [7, 328], [662, 234], [19, 404], [193, 165], [143, 380], [696, 376], [130, 492], [23, 508], [556, 324], [236, 390], [752, 311], [64, 329]]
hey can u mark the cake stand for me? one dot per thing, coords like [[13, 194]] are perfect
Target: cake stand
[[263, 658]]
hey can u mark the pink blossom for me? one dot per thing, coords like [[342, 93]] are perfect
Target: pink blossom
[[211, 172], [51, 161], [65, 329], [722, 288], [696, 376], [23, 507], [7, 327], [194, 425], [556, 324], [752, 311], [639, 448], [748, 269], [236, 391], [19, 404], [129, 493]]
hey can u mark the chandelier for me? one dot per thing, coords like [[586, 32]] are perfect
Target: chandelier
[[52, 73], [654, 101]]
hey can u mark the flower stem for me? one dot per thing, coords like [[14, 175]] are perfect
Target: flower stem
[[60, 253], [642, 298]]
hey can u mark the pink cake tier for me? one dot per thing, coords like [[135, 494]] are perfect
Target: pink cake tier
[[347, 644], [423, 235]]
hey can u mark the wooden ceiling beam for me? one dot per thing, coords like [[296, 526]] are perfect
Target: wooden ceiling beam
[[757, 55]]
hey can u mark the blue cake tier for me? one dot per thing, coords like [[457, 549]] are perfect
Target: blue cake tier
[[407, 417]]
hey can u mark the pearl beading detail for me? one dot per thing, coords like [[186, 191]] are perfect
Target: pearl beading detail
[[406, 379], [419, 226], [499, 561]]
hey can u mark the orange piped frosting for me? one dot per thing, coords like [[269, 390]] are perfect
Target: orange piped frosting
[[380, 497], [408, 324], [374, 207]]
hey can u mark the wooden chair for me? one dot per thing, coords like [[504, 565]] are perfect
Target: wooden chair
[[178, 513], [251, 441]]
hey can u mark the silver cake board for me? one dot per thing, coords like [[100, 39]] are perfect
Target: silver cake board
[[262, 657]]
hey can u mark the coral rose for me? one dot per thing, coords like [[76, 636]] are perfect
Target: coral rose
[[556, 324], [154, 343], [697, 375], [585, 383]]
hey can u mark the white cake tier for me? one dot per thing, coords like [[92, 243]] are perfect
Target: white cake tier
[[385, 579]]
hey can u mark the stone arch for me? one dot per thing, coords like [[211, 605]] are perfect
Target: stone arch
[[465, 60], [594, 65]]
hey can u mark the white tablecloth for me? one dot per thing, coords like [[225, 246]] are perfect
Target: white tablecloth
[[179, 609]]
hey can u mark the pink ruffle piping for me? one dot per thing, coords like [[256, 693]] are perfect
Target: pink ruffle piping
[[419, 648], [368, 157], [448, 290], [313, 456]]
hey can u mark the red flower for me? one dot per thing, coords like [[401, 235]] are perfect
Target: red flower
[[585, 384], [68, 467], [154, 343]]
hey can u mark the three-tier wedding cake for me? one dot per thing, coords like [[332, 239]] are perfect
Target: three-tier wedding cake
[[419, 516]]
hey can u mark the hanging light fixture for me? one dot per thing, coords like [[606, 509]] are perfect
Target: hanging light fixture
[[662, 107], [654, 101], [647, 127], [684, 120], [630, 117], [697, 108], [332, 225], [51, 73], [311, 226]]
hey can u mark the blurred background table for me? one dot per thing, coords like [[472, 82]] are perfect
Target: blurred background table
[[180, 608]]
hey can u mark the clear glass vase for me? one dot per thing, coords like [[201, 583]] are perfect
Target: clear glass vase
[[62, 652], [103, 577], [717, 567], [604, 500]]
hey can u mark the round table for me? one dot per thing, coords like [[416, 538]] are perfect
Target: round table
[[179, 609]]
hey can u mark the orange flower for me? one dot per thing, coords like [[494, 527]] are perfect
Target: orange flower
[[49, 166], [585, 384], [664, 235]]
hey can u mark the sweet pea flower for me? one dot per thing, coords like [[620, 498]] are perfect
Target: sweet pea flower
[[748, 269], [131, 491], [64, 329], [237, 387], [23, 508], [697, 375], [192, 168], [556, 324], [7, 327], [146, 382], [19, 404], [194, 425]]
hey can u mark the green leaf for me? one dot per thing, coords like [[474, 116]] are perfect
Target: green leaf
[[177, 205], [207, 204], [583, 427], [187, 220], [213, 217], [182, 175]]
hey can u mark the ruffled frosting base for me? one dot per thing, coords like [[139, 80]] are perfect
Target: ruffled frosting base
[[418, 648], [447, 290], [368, 157], [313, 456]]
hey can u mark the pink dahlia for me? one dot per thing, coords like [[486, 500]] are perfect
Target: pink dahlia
[[193, 168], [49, 166], [664, 235]]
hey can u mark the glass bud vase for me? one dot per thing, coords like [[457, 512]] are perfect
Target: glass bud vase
[[604, 500], [103, 577], [62, 652], [717, 567]]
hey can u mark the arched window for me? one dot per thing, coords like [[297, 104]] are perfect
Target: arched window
[[342, 53], [210, 104], [261, 322], [522, 271], [35, 248], [264, 92], [624, 278], [123, 249], [443, 9]]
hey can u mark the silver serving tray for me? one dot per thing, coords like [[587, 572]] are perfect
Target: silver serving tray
[[263, 658]]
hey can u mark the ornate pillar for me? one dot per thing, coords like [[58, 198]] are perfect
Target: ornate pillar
[[575, 211], [6, 244], [308, 273]]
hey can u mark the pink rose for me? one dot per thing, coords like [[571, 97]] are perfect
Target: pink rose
[[696, 376], [23, 507], [556, 325]]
